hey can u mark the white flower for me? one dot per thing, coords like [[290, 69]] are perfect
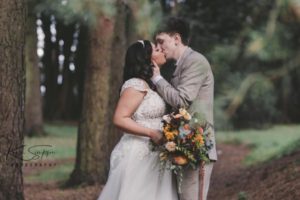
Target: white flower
[[170, 146], [187, 116], [167, 118], [183, 111]]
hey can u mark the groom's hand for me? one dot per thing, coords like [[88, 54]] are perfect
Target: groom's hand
[[156, 69], [156, 136], [156, 73]]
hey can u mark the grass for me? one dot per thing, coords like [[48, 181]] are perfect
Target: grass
[[59, 173], [265, 144], [60, 143]]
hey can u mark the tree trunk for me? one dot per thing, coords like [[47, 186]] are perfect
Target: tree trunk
[[103, 78], [12, 97], [130, 26], [80, 63], [51, 71], [92, 149], [62, 112], [116, 76], [33, 105]]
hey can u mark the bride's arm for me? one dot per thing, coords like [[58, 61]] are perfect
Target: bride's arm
[[127, 105]]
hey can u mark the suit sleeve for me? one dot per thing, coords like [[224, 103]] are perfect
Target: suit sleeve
[[191, 79]]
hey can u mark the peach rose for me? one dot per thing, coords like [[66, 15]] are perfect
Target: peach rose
[[180, 160]]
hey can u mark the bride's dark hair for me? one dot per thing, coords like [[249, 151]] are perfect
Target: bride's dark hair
[[138, 62]]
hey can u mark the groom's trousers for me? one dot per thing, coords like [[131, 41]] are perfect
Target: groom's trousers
[[195, 184]]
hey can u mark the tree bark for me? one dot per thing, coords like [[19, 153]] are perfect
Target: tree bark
[[120, 42], [12, 97], [33, 105], [130, 25], [80, 63], [92, 149]]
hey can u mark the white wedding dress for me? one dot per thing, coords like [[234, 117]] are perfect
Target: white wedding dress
[[134, 169]]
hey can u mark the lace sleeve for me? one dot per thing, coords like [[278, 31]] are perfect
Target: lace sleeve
[[136, 83]]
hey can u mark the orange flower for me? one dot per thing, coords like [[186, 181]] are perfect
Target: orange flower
[[169, 135], [167, 127], [175, 132], [199, 139], [180, 160]]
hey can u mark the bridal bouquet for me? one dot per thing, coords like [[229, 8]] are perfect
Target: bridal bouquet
[[186, 142]]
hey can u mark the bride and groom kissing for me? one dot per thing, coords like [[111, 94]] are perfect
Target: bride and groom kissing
[[134, 168]]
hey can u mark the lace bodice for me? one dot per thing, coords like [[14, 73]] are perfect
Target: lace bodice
[[148, 114], [152, 108]]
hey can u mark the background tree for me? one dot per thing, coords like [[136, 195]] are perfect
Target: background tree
[[12, 97], [252, 49], [33, 105], [120, 42], [93, 134], [62, 33]]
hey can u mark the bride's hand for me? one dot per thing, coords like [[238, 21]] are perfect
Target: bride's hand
[[156, 136]]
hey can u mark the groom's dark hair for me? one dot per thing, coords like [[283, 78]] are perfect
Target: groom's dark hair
[[176, 25]]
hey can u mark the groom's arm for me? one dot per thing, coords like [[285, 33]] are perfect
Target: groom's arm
[[191, 79]]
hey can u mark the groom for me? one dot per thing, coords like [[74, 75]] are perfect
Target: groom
[[192, 87]]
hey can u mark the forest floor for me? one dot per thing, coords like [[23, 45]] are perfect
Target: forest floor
[[231, 179]]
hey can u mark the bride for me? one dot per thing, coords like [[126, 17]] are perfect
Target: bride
[[134, 169]]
